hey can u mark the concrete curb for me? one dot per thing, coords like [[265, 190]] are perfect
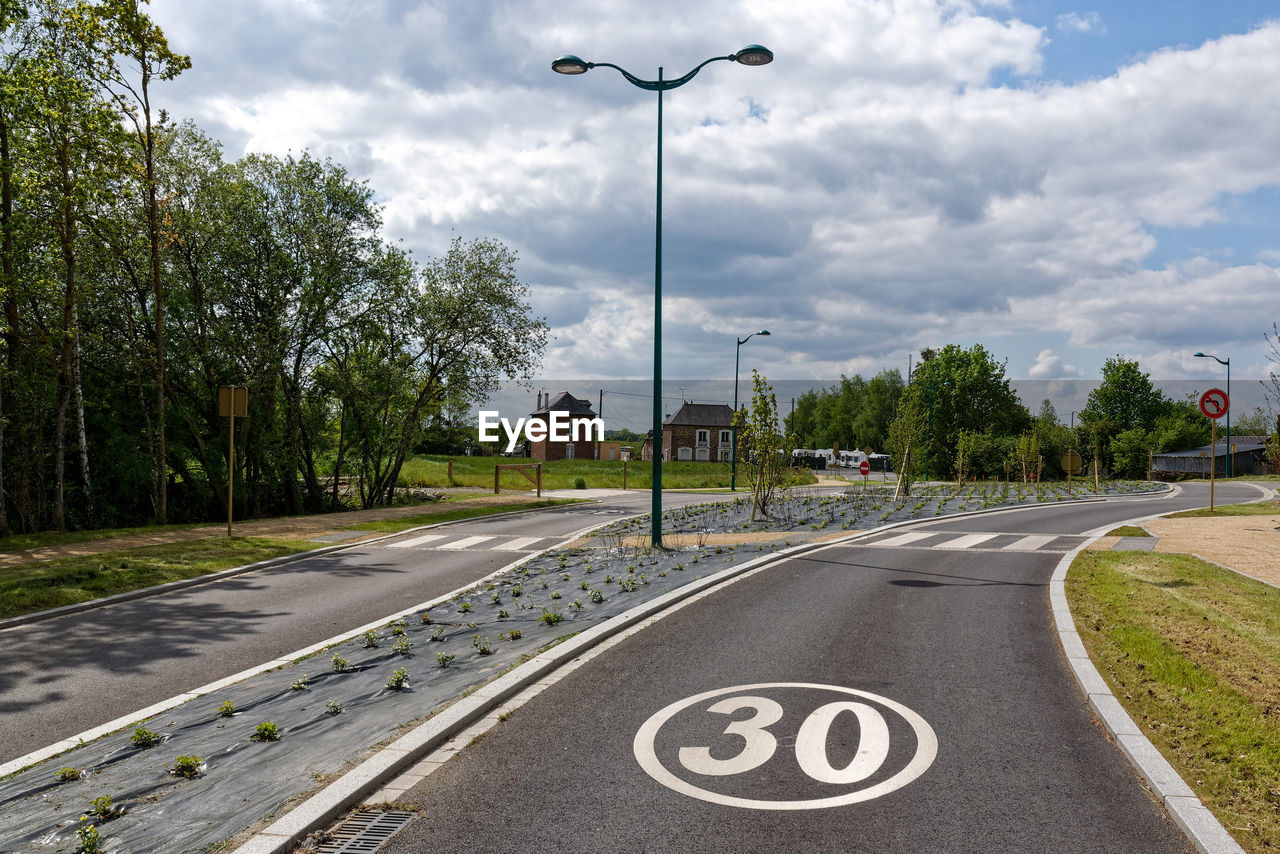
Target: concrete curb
[[1199, 824], [169, 587], [323, 808]]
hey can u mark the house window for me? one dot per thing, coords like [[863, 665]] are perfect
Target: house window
[[725, 437], [704, 438], [724, 454], [568, 451], [686, 453], [704, 454]]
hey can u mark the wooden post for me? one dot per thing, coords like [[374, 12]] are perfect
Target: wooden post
[[451, 472], [496, 470], [231, 465], [624, 474], [539, 480]]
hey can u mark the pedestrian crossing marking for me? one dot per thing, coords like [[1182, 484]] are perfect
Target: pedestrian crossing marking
[[1030, 543], [903, 539], [416, 541], [517, 545], [464, 543], [966, 542]]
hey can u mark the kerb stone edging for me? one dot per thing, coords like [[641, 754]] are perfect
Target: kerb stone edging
[[324, 807], [1199, 824]]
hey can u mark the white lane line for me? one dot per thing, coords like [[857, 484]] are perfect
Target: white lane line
[[416, 541], [517, 545], [968, 541], [1030, 543], [464, 543], [902, 539]]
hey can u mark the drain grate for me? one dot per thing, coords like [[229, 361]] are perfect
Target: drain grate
[[1134, 544], [365, 832]]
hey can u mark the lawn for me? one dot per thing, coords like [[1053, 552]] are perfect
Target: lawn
[[32, 587], [433, 471], [1193, 653], [1262, 508]]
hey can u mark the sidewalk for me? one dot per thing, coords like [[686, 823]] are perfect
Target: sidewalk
[[1249, 545], [290, 528]]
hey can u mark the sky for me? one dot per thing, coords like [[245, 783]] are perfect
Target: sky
[[1061, 183]]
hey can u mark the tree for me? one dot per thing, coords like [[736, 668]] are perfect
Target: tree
[[1126, 398], [766, 448], [957, 390], [129, 36]]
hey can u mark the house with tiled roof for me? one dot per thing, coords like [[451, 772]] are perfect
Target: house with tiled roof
[[582, 444], [698, 432]]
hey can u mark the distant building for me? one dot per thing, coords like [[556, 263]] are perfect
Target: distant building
[[579, 410], [699, 432], [1249, 457]]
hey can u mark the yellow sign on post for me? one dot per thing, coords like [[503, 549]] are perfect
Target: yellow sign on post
[[233, 403]]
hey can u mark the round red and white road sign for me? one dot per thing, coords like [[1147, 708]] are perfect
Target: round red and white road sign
[[864, 467], [1214, 403]]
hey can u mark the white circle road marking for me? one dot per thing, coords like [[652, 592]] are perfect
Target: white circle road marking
[[760, 746]]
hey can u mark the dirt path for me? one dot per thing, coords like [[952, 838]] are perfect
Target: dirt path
[[287, 528]]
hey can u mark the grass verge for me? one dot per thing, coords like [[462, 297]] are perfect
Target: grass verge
[[42, 539], [1261, 508], [32, 587], [391, 526], [1192, 651], [40, 585], [1128, 531], [433, 471]]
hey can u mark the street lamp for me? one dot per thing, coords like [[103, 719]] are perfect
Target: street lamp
[[752, 54], [737, 353], [1227, 362]]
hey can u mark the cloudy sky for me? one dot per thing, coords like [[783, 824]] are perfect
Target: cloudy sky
[[1058, 182]]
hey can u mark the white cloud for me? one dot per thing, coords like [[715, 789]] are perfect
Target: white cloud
[[1074, 22], [1049, 366], [867, 193]]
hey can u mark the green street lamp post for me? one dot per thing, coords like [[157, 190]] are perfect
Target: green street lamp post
[[750, 55], [737, 353], [1226, 362]]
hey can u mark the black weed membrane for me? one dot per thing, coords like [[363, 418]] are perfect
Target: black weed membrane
[[207, 770]]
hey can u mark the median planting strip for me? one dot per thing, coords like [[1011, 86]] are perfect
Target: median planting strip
[[331, 705]]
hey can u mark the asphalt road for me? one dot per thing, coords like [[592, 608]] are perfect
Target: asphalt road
[[63, 676], [945, 639]]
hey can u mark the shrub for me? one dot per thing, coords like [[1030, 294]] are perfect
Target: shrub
[[580, 483], [186, 766], [143, 737], [398, 680], [67, 774], [266, 731], [227, 709]]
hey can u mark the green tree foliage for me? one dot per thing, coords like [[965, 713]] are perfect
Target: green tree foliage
[[952, 392], [856, 413], [141, 271], [763, 446], [1126, 418]]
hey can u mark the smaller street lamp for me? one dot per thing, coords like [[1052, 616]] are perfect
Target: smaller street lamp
[[733, 466], [1227, 362]]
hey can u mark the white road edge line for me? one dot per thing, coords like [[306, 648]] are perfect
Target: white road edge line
[[1200, 825]]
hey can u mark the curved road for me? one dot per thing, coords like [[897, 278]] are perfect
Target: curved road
[[62, 676], [953, 627]]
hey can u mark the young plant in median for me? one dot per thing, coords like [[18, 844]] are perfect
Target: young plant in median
[[266, 731], [143, 737], [186, 766], [398, 680]]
